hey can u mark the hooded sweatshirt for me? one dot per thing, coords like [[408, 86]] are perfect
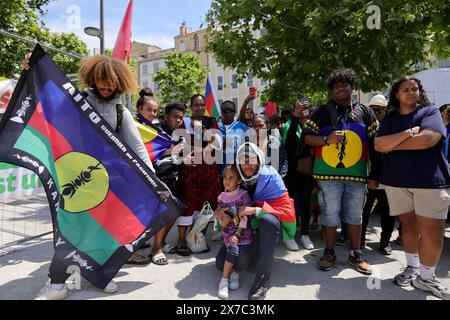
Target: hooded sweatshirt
[[128, 131], [270, 194]]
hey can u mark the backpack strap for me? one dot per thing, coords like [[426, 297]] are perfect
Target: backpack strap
[[119, 111]]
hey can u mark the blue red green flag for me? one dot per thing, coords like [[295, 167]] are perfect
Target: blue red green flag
[[104, 200]]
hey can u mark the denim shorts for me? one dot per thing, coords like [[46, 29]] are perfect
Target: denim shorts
[[346, 198]]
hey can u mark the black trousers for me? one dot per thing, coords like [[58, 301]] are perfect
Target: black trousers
[[387, 222], [300, 189]]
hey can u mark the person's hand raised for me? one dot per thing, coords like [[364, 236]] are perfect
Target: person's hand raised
[[26, 61]]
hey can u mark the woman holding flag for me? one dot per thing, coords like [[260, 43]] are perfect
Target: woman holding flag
[[157, 143]]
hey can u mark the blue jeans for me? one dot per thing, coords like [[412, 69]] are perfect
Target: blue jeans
[[238, 255], [349, 196]]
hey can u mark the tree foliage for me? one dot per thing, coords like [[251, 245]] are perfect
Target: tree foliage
[[68, 42], [22, 17], [183, 76], [304, 40]]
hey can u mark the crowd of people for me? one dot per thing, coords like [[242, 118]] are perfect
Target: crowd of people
[[267, 170]]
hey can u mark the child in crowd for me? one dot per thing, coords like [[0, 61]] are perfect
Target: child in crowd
[[237, 235]]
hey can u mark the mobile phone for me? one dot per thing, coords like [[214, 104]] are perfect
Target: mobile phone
[[252, 91], [303, 98]]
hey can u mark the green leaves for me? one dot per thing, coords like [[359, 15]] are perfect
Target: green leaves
[[183, 77], [305, 40]]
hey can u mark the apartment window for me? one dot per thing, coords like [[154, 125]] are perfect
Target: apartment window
[[182, 45], [196, 42], [220, 83], [234, 83], [144, 84], [444, 63], [355, 97], [249, 80], [156, 87], [220, 102], [371, 95], [235, 100], [145, 69], [156, 67]]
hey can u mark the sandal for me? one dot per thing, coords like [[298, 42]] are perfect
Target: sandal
[[169, 248], [138, 259], [183, 250], [159, 259]]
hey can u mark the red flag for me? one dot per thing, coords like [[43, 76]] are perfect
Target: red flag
[[122, 48]]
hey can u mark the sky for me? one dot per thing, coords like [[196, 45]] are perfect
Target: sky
[[156, 22]]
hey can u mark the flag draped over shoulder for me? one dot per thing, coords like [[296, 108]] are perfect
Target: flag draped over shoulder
[[212, 106], [104, 201], [155, 140]]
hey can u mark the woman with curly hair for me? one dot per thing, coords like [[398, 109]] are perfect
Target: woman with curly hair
[[417, 179], [106, 80]]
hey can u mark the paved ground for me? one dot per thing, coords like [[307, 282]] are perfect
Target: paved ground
[[295, 276]]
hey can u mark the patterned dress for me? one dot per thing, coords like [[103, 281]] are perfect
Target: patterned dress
[[200, 183]]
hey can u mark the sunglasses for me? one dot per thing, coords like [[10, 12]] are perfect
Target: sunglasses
[[199, 104], [379, 111], [228, 111]]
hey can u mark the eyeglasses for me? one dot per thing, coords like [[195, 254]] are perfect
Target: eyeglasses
[[199, 104]]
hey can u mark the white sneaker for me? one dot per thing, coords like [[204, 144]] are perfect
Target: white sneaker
[[49, 293], [234, 281], [112, 287], [217, 237], [291, 245], [223, 289], [433, 285], [307, 243]]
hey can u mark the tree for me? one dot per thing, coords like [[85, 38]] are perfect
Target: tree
[[68, 42], [183, 77], [21, 17], [303, 40]]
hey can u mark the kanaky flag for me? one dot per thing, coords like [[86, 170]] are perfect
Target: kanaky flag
[[104, 200], [122, 48], [155, 140], [212, 106]]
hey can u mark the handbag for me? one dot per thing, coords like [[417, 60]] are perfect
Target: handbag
[[195, 239]]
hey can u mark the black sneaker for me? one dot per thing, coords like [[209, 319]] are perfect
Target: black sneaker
[[259, 288], [385, 247], [342, 241]]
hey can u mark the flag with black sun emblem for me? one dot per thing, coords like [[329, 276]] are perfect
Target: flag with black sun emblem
[[104, 200]]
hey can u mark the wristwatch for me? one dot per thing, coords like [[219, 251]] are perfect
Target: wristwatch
[[325, 139]]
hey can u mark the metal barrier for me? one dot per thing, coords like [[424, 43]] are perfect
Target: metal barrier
[[22, 220]]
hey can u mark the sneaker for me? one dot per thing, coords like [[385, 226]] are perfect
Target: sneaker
[[327, 261], [49, 293], [405, 278], [217, 237], [342, 241], [291, 245], [434, 286], [222, 293], [359, 263], [385, 247], [112, 287], [307, 243], [259, 288], [234, 281]]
